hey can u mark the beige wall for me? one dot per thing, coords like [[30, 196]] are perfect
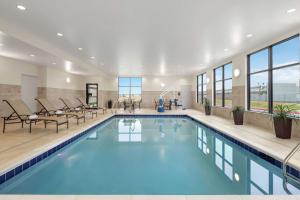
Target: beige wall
[[11, 70], [239, 85], [151, 86], [52, 82]]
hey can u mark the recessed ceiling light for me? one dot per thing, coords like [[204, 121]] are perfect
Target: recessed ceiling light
[[32, 55], [249, 35], [60, 34], [226, 49], [92, 57], [1, 45], [291, 10], [54, 63], [80, 49], [21, 7]]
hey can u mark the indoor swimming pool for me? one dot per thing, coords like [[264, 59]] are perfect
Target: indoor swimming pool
[[150, 155]]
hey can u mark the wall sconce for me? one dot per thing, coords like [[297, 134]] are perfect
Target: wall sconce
[[236, 72], [68, 80]]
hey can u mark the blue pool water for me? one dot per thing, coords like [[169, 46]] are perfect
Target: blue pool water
[[150, 156]]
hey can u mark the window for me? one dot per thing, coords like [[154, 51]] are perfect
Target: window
[[223, 86], [201, 88], [274, 76], [130, 87]]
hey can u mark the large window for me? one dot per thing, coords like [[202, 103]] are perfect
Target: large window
[[223, 85], [274, 76], [130, 87], [201, 88]]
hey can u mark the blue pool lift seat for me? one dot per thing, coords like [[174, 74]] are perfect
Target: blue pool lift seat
[[160, 107]]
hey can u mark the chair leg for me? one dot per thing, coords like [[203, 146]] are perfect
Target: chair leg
[[3, 125], [56, 127], [67, 124], [22, 124], [29, 127]]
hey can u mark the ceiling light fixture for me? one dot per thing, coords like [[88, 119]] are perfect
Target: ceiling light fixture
[[80, 49], [21, 7], [32, 55], [290, 10], [59, 34], [54, 63], [162, 85], [226, 50], [92, 57], [249, 35], [1, 45]]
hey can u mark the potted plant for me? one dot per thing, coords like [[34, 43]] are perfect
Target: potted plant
[[282, 118], [238, 115], [207, 106]]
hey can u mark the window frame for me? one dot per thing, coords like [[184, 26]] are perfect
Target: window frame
[[202, 93], [269, 71], [223, 83], [130, 85]]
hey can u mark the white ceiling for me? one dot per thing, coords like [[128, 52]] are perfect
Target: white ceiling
[[144, 37]]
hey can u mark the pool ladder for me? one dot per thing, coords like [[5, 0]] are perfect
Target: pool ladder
[[286, 175]]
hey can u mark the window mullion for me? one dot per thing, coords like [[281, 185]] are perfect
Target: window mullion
[[270, 79], [202, 89], [214, 87], [223, 89]]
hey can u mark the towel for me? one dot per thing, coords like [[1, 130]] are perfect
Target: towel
[[58, 112], [33, 117]]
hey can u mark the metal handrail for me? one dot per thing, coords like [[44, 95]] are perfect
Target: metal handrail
[[286, 175]]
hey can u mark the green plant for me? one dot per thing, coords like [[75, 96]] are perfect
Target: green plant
[[283, 112], [236, 109], [207, 103]]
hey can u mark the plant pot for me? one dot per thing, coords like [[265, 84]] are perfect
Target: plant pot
[[283, 128], [207, 110], [238, 118], [109, 104]]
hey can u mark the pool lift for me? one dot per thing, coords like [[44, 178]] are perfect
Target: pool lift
[[287, 176], [160, 107]]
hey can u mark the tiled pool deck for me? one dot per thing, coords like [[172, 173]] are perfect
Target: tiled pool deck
[[18, 146]]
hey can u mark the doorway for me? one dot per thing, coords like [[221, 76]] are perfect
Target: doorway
[[29, 91]]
